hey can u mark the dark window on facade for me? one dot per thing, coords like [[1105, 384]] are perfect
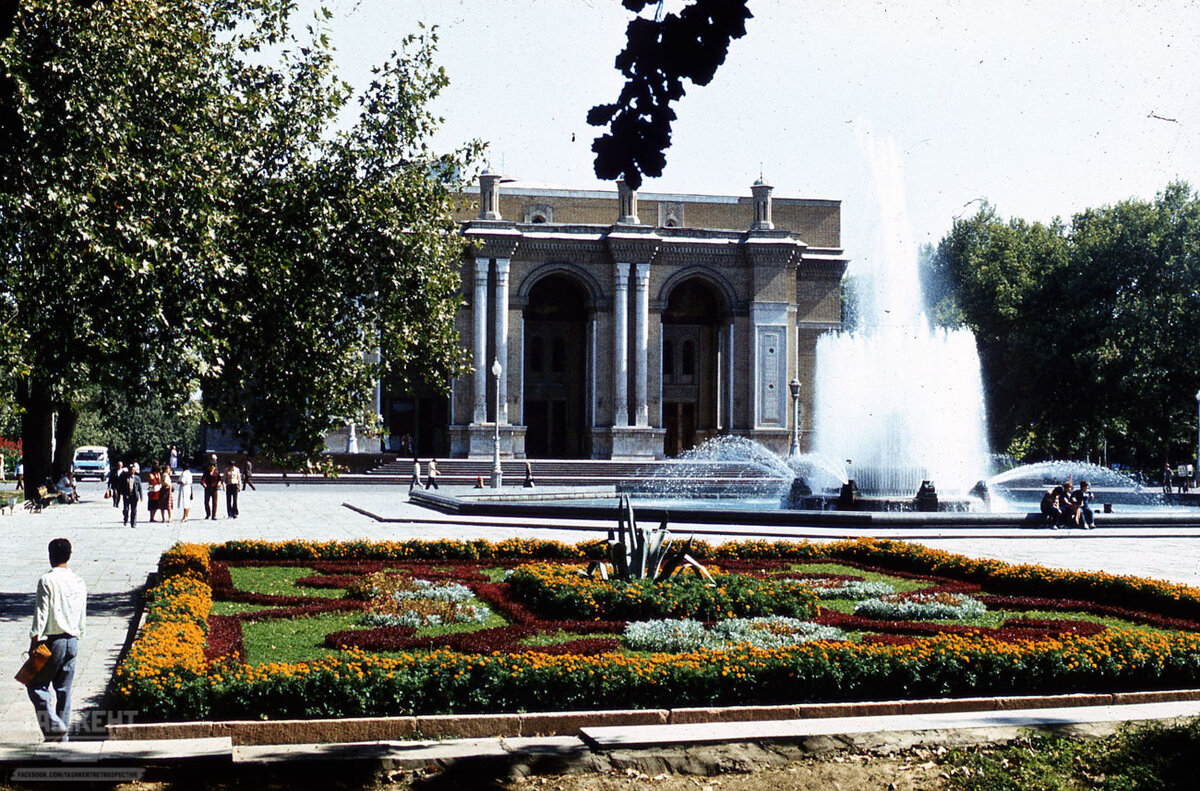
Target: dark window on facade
[[688, 361], [536, 352], [668, 361], [558, 355]]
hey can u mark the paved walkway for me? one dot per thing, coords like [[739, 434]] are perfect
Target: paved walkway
[[114, 561]]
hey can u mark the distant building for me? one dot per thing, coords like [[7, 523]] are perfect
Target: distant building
[[631, 326]]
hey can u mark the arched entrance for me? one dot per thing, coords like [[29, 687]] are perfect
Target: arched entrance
[[555, 369], [690, 327]]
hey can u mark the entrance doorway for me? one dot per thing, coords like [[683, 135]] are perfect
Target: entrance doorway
[[416, 424], [555, 369], [691, 323]]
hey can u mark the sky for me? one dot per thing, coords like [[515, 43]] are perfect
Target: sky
[[1041, 108]]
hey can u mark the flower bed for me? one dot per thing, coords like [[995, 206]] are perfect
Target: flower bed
[[175, 671]]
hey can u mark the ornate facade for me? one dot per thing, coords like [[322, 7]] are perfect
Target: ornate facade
[[633, 327]]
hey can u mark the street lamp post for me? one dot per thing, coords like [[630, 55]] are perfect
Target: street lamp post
[[1197, 467], [497, 473], [794, 386]]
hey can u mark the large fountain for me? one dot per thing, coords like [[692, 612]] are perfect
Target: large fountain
[[897, 401], [899, 405]]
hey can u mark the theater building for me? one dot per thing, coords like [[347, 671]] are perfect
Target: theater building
[[631, 326]]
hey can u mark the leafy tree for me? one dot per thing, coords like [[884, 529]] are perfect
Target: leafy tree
[[1136, 272], [106, 201], [346, 248], [996, 277], [142, 428], [1082, 329], [659, 54], [176, 210]]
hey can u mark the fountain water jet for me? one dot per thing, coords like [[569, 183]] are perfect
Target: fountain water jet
[[901, 401]]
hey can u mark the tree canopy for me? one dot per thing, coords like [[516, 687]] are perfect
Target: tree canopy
[[181, 210], [1084, 330]]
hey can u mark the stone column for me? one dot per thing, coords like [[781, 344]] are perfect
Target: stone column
[[480, 350], [729, 368], [501, 337], [621, 345], [641, 325]]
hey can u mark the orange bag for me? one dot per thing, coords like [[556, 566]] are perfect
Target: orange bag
[[38, 658]]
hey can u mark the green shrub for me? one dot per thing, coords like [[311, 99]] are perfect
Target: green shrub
[[561, 592]]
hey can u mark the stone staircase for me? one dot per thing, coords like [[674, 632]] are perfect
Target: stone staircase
[[624, 475]]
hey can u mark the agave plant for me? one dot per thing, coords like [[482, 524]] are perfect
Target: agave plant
[[637, 553]]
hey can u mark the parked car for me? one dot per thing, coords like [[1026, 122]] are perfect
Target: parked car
[[91, 460]]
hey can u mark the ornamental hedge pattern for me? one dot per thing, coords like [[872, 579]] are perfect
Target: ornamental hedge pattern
[[186, 664]]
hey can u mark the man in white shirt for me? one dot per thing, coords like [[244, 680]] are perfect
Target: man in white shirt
[[233, 485], [58, 622]]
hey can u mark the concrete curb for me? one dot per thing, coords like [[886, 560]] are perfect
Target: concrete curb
[[448, 503], [572, 723], [695, 749]]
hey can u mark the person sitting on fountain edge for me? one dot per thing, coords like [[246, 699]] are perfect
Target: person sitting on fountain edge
[[1052, 507], [1070, 506], [1083, 516]]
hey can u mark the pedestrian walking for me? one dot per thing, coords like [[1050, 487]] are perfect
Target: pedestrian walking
[[172, 460], [185, 493], [165, 500], [528, 475], [132, 494], [210, 482], [247, 472], [432, 476], [58, 621], [233, 485], [114, 482], [416, 475], [21, 473], [154, 488]]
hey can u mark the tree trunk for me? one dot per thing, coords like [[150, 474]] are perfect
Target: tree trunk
[[34, 397], [64, 439]]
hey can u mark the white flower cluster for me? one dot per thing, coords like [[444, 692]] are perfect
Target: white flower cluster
[[922, 607], [466, 613], [677, 635], [847, 589], [449, 591]]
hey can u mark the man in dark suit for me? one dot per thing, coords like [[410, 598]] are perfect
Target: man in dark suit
[[133, 493]]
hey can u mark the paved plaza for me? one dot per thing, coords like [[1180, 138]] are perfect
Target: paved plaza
[[115, 561]]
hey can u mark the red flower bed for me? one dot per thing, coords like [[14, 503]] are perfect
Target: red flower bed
[[455, 571], [327, 581], [857, 623], [504, 639], [1013, 630], [312, 607], [1038, 628], [890, 639], [225, 639], [1095, 608]]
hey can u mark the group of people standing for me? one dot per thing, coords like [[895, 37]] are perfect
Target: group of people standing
[[163, 494], [1065, 506]]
